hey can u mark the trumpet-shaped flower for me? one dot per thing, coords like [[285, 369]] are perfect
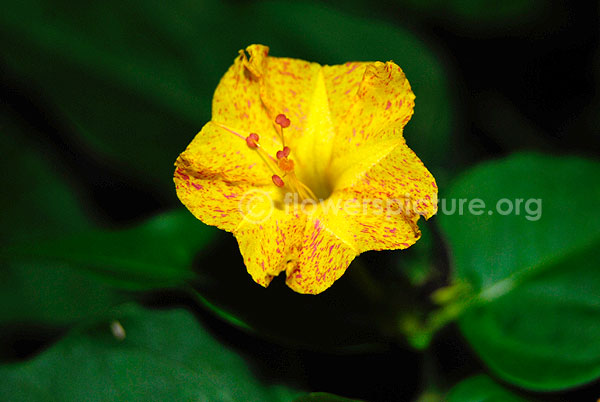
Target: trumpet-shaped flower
[[307, 166]]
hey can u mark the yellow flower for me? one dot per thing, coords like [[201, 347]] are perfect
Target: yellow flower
[[307, 166]]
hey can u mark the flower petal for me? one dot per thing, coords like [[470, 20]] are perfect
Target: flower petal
[[343, 82], [324, 254], [215, 172], [268, 246], [378, 223], [384, 99], [287, 87], [372, 125], [389, 171], [297, 88], [384, 189], [314, 147], [237, 102]]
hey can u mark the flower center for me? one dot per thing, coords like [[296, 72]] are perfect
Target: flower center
[[281, 166]]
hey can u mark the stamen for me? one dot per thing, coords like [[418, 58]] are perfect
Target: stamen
[[282, 120], [278, 181], [305, 192], [252, 140], [281, 164], [267, 159], [284, 153]]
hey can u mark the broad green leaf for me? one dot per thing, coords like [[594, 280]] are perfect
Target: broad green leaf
[[535, 313], [138, 355], [481, 388], [158, 253], [134, 79]]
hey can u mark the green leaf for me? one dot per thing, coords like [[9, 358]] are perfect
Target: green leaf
[[50, 293], [134, 79], [535, 314], [30, 176], [156, 254], [481, 388], [38, 202], [138, 355]]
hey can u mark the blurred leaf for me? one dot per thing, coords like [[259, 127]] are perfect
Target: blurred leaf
[[38, 203], [535, 316], [134, 79], [50, 293], [323, 397], [481, 388], [156, 254], [138, 355]]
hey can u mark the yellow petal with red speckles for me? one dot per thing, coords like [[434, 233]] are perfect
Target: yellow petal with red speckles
[[237, 102], [390, 171], [377, 222], [269, 246], [324, 253], [342, 82], [371, 127], [214, 173]]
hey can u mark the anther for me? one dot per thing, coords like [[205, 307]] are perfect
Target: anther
[[284, 153], [278, 181], [252, 140], [282, 120]]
